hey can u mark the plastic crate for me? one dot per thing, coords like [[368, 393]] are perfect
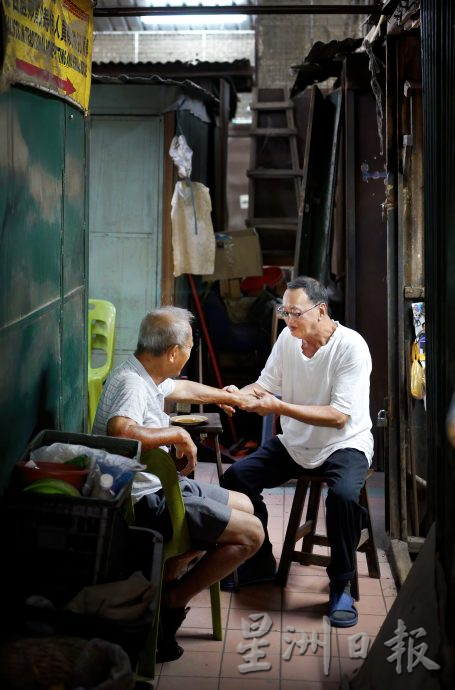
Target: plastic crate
[[57, 544], [144, 553]]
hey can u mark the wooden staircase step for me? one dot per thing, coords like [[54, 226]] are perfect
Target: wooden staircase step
[[274, 175], [272, 105], [275, 223], [273, 132], [274, 172]]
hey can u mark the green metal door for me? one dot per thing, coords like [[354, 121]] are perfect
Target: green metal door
[[125, 211]]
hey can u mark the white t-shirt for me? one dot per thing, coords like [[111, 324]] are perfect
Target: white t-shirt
[[131, 392], [338, 374]]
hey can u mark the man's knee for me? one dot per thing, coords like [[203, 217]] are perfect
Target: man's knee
[[255, 533], [248, 532], [240, 501]]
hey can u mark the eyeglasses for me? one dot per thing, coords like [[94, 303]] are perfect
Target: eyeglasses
[[283, 313]]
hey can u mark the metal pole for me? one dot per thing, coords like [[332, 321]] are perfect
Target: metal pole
[[241, 9]]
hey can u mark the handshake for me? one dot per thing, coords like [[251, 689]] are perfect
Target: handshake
[[251, 399]]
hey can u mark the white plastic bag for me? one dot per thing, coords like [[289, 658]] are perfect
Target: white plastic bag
[[62, 452], [182, 156], [121, 468]]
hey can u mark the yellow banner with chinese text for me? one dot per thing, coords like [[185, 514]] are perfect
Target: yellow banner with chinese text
[[49, 46]]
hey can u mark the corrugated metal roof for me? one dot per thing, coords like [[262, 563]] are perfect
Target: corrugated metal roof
[[200, 81], [171, 24]]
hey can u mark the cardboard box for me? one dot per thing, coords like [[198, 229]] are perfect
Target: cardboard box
[[238, 255]]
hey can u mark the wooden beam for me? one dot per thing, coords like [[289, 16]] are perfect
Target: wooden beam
[[244, 9]]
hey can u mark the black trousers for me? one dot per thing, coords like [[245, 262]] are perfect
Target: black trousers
[[345, 471]]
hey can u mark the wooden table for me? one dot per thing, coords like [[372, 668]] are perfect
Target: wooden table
[[212, 428]]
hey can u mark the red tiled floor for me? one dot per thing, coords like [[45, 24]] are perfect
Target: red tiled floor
[[231, 663], [307, 685], [234, 638], [208, 664], [179, 682], [389, 602], [201, 617], [236, 615], [343, 644], [308, 583], [201, 664], [267, 595], [245, 682], [311, 668], [371, 604]]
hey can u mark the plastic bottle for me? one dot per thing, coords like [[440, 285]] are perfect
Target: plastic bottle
[[104, 488]]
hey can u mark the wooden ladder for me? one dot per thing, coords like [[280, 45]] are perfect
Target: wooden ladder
[[274, 176]]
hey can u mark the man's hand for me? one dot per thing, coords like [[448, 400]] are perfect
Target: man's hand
[[185, 453], [259, 401], [228, 408]]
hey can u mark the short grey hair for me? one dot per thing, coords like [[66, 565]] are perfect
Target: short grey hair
[[315, 292], [163, 328]]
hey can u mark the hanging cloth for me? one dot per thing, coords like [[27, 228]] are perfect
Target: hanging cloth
[[193, 239]]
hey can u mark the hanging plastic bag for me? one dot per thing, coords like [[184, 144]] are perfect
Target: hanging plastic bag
[[418, 387], [182, 156]]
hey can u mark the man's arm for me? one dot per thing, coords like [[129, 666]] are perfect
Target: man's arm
[[318, 415], [191, 391], [154, 438]]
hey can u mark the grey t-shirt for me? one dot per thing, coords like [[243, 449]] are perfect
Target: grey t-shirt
[[131, 392]]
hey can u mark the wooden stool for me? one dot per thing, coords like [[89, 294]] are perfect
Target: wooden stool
[[307, 532]]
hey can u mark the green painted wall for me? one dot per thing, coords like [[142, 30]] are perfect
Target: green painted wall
[[42, 270]]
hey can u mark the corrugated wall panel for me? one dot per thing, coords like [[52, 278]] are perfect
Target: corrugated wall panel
[[32, 328], [31, 190], [74, 274]]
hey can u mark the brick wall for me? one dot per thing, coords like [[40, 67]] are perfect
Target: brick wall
[[163, 46], [285, 40]]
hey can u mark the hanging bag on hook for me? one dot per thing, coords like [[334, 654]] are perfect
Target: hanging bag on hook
[[417, 373]]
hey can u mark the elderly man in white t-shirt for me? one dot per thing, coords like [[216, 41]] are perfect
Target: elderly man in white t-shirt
[[220, 522], [317, 380]]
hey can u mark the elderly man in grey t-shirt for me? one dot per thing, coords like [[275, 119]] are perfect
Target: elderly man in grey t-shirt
[[221, 522]]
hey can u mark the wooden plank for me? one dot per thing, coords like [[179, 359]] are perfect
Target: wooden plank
[[274, 172], [415, 544], [417, 601], [400, 560], [315, 214], [301, 255], [272, 132], [278, 223], [272, 105], [415, 292]]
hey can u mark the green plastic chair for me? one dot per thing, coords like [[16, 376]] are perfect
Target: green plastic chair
[[100, 337], [161, 464]]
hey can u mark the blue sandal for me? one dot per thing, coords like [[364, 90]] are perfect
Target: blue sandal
[[342, 612]]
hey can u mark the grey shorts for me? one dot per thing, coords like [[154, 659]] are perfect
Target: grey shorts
[[207, 512]]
